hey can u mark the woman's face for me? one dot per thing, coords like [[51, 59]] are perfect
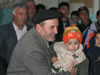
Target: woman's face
[[72, 45]]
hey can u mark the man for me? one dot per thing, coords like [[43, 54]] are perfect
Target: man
[[31, 11], [90, 33], [75, 17], [63, 9], [10, 34], [84, 17], [31, 55]]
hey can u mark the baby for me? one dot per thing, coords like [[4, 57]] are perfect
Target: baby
[[69, 50]]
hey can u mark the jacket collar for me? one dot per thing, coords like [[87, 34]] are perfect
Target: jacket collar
[[93, 26]]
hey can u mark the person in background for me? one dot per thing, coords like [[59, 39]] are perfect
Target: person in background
[[71, 50], [31, 11], [84, 17], [53, 9], [98, 20], [30, 5], [63, 10], [75, 17], [90, 32], [11, 33], [40, 7], [31, 55], [93, 53]]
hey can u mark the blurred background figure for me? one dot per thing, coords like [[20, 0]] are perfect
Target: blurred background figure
[[31, 10], [93, 53], [40, 7], [75, 17], [63, 10], [11, 33], [84, 17], [90, 32], [54, 9]]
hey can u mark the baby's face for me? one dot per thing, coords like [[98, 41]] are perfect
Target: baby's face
[[97, 40], [72, 45]]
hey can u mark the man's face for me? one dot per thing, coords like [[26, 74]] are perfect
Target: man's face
[[75, 18], [49, 30], [31, 8], [97, 39], [84, 16], [20, 17], [64, 10]]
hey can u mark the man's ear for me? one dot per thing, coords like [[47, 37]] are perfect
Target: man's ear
[[38, 27]]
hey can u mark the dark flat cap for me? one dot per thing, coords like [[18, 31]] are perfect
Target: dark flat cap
[[44, 15]]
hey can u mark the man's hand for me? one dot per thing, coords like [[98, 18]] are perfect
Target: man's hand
[[54, 59], [72, 69]]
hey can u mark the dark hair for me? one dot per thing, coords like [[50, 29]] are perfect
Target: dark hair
[[40, 7], [98, 12], [75, 13], [83, 8], [63, 4], [18, 5], [53, 9]]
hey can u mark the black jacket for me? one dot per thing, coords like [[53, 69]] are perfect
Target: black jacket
[[82, 27], [8, 40], [96, 68], [93, 53]]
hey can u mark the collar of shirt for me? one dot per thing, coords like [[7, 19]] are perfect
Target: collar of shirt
[[19, 32], [47, 43]]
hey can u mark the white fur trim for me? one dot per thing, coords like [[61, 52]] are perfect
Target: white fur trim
[[65, 57]]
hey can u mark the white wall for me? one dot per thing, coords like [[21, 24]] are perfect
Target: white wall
[[50, 3], [47, 3], [96, 5]]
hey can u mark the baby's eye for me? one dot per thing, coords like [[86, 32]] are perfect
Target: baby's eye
[[69, 43], [76, 42]]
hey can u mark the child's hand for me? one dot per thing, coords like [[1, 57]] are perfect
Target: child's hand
[[72, 69], [54, 59]]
